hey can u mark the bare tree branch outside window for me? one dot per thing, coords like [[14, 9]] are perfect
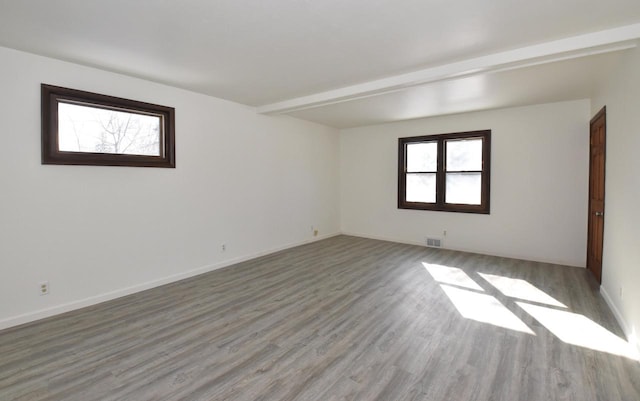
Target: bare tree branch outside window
[[90, 129]]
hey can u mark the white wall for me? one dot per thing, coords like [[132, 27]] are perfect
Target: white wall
[[539, 184], [621, 258], [254, 182]]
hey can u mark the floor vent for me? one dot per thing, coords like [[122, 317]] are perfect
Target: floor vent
[[434, 242]]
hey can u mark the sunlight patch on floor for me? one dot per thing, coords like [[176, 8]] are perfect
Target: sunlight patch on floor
[[576, 329], [484, 308], [521, 289], [451, 275]]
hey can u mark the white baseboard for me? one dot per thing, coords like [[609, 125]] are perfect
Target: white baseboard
[[108, 296], [631, 336], [381, 238], [408, 242]]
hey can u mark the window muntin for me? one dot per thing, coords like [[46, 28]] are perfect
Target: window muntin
[[448, 172], [92, 129]]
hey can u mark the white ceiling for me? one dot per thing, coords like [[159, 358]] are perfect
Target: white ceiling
[[565, 80], [262, 53]]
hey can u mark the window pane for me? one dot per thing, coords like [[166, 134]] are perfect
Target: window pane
[[464, 188], [464, 154], [422, 157], [97, 130], [421, 188]]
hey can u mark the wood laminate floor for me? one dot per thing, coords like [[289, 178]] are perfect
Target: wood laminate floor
[[341, 319]]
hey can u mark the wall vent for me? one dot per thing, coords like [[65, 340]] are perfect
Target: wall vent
[[434, 242]]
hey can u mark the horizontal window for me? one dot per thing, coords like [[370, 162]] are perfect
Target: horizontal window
[[447, 172], [91, 129]]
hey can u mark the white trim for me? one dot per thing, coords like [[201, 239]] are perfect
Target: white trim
[[444, 242], [631, 337], [108, 296], [568, 48], [614, 309]]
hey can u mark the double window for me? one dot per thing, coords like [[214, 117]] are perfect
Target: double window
[[448, 172]]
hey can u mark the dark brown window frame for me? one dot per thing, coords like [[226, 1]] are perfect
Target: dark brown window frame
[[51, 96], [440, 204]]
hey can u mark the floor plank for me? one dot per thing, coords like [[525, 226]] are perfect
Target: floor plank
[[345, 318]]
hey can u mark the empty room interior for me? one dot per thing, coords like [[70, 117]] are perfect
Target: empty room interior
[[320, 200]]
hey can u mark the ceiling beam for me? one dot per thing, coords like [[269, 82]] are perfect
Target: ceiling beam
[[573, 47]]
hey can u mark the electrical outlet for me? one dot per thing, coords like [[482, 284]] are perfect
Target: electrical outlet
[[223, 247], [43, 288], [315, 233]]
